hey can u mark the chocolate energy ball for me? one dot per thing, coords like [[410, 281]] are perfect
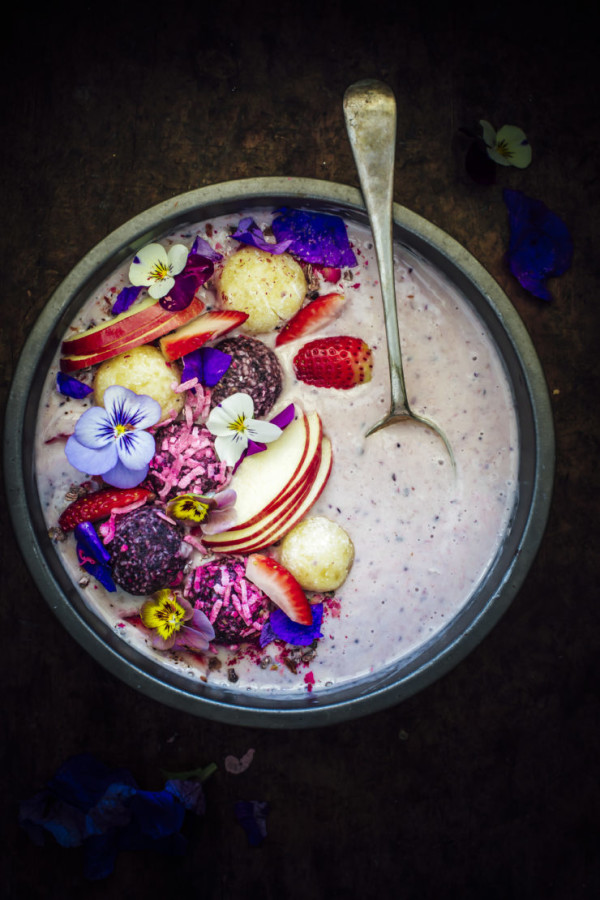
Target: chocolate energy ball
[[145, 551], [185, 461], [236, 608], [254, 370]]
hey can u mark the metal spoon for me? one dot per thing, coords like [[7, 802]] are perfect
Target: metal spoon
[[370, 114]]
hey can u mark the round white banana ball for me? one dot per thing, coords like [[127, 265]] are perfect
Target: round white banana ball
[[143, 370], [318, 553], [269, 287]]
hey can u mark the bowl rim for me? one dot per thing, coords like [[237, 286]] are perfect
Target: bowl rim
[[307, 710]]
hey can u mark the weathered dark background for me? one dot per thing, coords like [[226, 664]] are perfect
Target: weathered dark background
[[486, 784]]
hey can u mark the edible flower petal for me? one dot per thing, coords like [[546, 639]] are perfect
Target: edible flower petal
[[540, 243], [207, 364], [203, 248], [196, 272], [87, 804], [154, 267], [252, 816], [213, 511], [166, 614], [281, 627], [125, 298], [282, 420], [233, 425], [508, 147], [315, 237], [111, 441], [72, 387], [248, 232]]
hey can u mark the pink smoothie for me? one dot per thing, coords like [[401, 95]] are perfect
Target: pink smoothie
[[424, 534]]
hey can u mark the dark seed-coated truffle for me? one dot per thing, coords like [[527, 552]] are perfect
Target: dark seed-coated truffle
[[145, 551], [254, 370], [236, 608]]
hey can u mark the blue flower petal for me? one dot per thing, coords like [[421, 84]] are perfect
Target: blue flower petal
[[315, 237], [207, 364], [125, 299], [125, 407], [248, 232], [94, 429], [72, 387], [85, 535], [252, 816], [88, 460], [122, 477], [292, 633], [135, 449], [540, 243]]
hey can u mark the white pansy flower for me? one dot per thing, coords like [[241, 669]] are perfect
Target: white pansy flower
[[233, 426], [154, 267], [507, 147]]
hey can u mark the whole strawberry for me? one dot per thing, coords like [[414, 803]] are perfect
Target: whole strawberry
[[334, 362]]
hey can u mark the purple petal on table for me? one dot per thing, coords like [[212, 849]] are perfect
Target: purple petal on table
[[72, 387], [248, 232], [125, 298], [540, 243], [190, 794], [252, 816], [292, 633], [315, 237]]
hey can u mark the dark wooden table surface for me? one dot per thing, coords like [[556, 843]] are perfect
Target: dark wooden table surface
[[485, 785]]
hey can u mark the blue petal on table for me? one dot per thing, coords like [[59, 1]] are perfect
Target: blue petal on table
[[88, 803], [126, 298], [248, 232], [72, 387], [207, 364], [282, 627], [540, 244], [315, 237], [252, 816]]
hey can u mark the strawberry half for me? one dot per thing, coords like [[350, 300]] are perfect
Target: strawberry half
[[280, 586], [334, 362], [99, 505], [310, 318]]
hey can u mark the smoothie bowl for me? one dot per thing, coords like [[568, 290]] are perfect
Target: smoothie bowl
[[257, 559]]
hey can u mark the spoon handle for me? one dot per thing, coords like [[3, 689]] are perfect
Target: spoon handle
[[370, 114]]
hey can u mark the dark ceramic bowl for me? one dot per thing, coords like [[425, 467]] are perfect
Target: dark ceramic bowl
[[367, 694]]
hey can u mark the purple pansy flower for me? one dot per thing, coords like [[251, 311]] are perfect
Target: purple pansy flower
[[111, 440]]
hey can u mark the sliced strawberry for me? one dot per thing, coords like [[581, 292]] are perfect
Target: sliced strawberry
[[205, 328], [334, 362], [280, 586], [329, 273], [99, 505], [310, 318]]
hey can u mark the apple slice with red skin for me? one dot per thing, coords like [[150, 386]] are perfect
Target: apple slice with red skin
[[258, 500], [141, 316], [190, 337], [280, 586], [73, 362], [270, 520], [259, 536], [266, 479]]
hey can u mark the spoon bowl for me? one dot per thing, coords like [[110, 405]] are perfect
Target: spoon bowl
[[370, 115]]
